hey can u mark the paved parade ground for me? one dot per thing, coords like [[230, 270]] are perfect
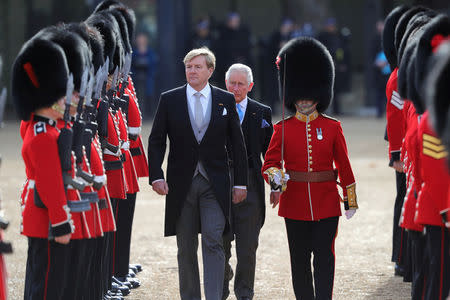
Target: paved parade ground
[[363, 245]]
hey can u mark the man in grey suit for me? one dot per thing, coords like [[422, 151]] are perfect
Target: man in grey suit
[[247, 217], [198, 119]]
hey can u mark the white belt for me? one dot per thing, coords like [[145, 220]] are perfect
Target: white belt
[[134, 130], [126, 145], [109, 152]]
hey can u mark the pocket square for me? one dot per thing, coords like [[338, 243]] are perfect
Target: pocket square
[[264, 124], [224, 113]]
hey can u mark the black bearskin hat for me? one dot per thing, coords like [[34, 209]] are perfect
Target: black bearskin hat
[[94, 40], [309, 72], [437, 92], [77, 52], [403, 69], [109, 28], [389, 34], [433, 34], [106, 4], [127, 13], [124, 35], [414, 29], [39, 76]]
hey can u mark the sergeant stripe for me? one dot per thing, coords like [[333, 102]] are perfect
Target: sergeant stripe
[[396, 100], [434, 147], [435, 155], [432, 139]]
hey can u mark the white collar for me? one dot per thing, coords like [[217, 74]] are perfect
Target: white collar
[[206, 91]]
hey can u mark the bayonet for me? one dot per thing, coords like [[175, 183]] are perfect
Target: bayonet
[[69, 94], [2, 105]]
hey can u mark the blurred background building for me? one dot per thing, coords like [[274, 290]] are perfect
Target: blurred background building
[[247, 31]]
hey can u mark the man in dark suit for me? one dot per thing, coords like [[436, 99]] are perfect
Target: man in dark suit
[[198, 119], [247, 217]]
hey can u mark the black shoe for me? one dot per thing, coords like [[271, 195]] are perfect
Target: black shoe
[[120, 282], [399, 271], [122, 288], [134, 282], [244, 298], [137, 266], [131, 273], [134, 269]]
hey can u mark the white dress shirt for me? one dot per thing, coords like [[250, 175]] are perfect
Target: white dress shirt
[[204, 98]]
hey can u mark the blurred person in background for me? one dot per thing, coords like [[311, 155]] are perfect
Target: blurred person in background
[[143, 72], [381, 71]]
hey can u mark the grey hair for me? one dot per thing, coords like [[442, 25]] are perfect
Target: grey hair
[[241, 68]]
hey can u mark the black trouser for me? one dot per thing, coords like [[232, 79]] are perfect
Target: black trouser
[[124, 222], [399, 235], [93, 273], [437, 248], [317, 237], [108, 248], [46, 270], [419, 263], [77, 265]]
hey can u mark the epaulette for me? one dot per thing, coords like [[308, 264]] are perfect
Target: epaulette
[[286, 119], [328, 117], [39, 127]]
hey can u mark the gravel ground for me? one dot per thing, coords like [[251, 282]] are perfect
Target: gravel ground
[[363, 246]]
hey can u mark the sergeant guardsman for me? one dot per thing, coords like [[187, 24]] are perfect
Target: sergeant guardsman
[[308, 144]]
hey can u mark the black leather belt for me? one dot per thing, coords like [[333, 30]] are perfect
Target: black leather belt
[[79, 206], [102, 204], [135, 151], [113, 165]]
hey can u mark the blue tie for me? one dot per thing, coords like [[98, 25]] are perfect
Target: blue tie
[[240, 112]]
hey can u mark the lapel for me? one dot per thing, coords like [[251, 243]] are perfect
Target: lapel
[[216, 110], [184, 114]]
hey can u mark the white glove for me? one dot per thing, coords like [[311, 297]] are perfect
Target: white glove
[[349, 213]]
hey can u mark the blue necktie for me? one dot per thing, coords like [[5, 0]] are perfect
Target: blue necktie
[[240, 112]]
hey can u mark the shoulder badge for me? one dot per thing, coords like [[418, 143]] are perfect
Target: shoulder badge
[[39, 127], [331, 118], [432, 146]]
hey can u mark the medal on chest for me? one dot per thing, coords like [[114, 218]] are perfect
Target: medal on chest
[[319, 134]]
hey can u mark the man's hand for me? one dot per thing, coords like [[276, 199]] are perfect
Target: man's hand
[[274, 198], [63, 239], [239, 195], [160, 187], [398, 166]]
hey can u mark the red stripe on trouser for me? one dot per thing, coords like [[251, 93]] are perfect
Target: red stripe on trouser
[[48, 270], [424, 286], [441, 277]]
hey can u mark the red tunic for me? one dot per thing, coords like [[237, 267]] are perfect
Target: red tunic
[[311, 145], [134, 128], [106, 212], [433, 197], [43, 168], [410, 155], [395, 120], [132, 185], [116, 178]]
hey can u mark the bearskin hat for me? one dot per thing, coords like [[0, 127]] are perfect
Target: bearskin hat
[[130, 18], [109, 29], [309, 71], [106, 4], [39, 76], [389, 34], [403, 69], [414, 29], [94, 40], [433, 34], [437, 91], [77, 52], [124, 35], [402, 26]]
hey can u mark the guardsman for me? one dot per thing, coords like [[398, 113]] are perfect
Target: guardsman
[[394, 134], [39, 81], [433, 197], [308, 144]]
